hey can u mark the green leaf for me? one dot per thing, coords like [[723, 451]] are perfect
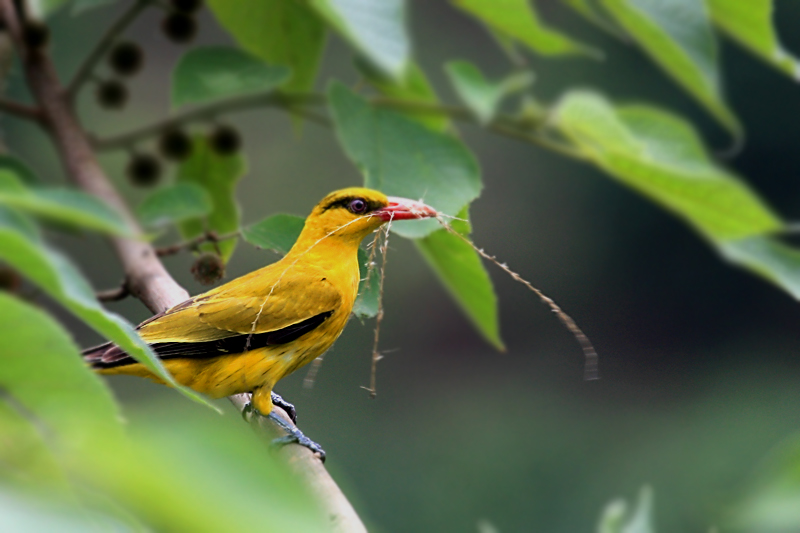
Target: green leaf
[[376, 28], [768, 258], [214, 72], [281, 32], [19, 169], [41, 9], [413, 87], [42, 373], [750, 23], [404, 158], [616, 519], [661, 156], [678, 36], [277, 232], [68, 206], [59, 278], [517, 19], [174, 203], [170, 472], [21, 512], [480, 95], [218, 174], [460, 269], [772, 501]]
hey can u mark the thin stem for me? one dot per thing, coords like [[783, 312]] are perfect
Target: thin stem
[[21, 110], [114, 295], [209, 236], [101, 48], [539, 140], [294, 103]]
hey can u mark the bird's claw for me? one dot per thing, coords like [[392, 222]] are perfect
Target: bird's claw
[[247, 411], [294, 435], [286, 406]]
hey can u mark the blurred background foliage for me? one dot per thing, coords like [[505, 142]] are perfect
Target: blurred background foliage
[[697, 397]]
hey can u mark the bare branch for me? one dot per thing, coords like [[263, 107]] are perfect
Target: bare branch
[[19, 109]]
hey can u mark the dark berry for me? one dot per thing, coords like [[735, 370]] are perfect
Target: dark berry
[[208, 268], [126, 58], [225, 140], [112, 94], [175, 145], [10, 280], [186, 6], [179, 28], [144, 170], [35, 35]]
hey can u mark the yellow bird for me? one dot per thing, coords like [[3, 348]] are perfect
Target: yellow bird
[[246, 335]]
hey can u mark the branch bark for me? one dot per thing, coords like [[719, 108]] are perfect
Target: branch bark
[[146, 277]]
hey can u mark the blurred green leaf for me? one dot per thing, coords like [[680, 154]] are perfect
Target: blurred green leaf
[[174, 203], [587, 8], [768, 258], [211, 475], [480, 95], [218, 174], [24, 514], [213, 72], [79, 6], [58, 277], [750, 23], [403, 158], [772, 501], [376, 28], [617, 519], [518, 20], [41, 9], [281, 32], [661, 156], [68, 206], [413, 87], [277, 232], [461, 271], [19, 169], [678, 36], [39, 357]]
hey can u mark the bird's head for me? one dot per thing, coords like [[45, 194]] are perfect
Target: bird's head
[[351, 214]]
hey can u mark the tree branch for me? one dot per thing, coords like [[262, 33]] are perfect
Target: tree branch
[[146, 277], [294, 103], [19, 109], [94, 57]]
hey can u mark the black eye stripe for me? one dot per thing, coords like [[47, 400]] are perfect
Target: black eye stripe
[[347, 201]]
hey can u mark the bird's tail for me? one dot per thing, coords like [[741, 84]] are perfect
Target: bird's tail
[[105, 356]]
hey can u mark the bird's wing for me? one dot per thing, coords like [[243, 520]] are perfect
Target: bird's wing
[[234, 318], [244, 309]]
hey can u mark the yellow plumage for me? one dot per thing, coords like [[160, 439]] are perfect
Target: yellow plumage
[[246, 335]]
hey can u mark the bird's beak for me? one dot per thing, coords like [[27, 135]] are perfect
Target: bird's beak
[[404, 209]]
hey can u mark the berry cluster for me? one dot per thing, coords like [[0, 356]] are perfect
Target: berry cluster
[[174, 144], [126, 58]]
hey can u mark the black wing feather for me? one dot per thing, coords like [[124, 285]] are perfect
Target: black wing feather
[[109, 355]]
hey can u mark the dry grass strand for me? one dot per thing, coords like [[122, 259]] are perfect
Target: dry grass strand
[[590, 371]]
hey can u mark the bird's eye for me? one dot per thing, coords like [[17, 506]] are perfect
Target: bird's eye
[[357, 206]]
